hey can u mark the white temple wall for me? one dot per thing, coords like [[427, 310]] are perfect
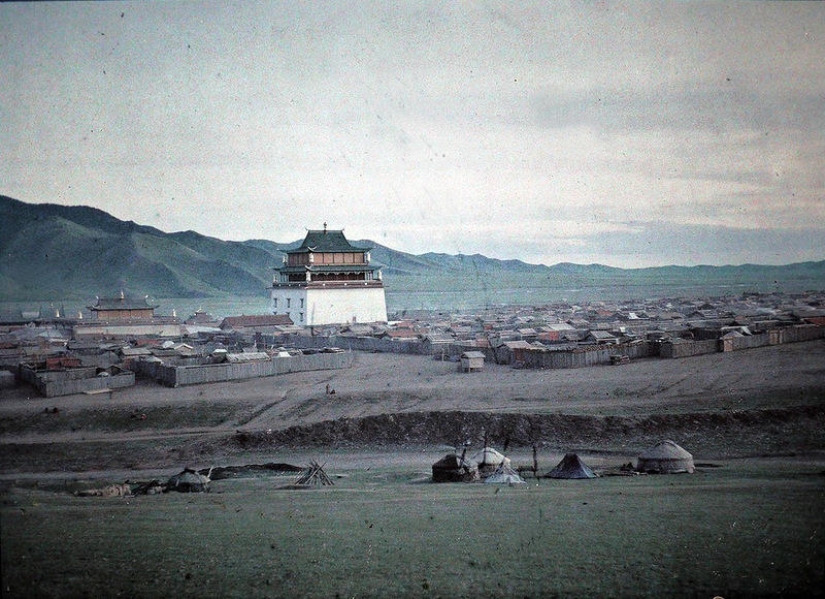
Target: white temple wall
[[321, 306]]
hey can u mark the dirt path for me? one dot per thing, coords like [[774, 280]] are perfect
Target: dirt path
[[779, 377]]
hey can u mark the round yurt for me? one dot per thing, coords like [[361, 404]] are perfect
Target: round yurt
[[665, 458], [489, 460], [453, 469], [571, 467]]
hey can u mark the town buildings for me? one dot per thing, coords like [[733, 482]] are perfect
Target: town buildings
[[50, 354], [327, 280]]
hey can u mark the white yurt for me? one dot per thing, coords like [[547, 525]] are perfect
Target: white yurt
[[665, 458], [488, 460]]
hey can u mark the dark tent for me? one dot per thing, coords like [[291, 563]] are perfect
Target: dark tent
[[189, 481], [454, 469], [571, 467]]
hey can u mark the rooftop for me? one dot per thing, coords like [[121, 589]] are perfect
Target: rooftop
[[122, 302], [326, 240]]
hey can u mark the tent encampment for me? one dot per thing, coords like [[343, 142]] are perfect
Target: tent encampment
[[571, 467], [665, 458]]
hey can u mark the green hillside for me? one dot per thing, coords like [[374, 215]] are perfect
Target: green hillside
[[49, 251], [76, 252]]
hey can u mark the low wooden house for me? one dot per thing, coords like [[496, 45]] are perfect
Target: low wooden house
[[472, 361]]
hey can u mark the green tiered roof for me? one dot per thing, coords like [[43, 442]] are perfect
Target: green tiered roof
[[328, 241]]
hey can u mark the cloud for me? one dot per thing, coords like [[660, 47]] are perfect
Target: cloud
[[655, 244], [528, 129], [722, 108]]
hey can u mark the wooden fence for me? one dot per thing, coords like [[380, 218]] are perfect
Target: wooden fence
[[582, 357], [56, 383], [175, 376]]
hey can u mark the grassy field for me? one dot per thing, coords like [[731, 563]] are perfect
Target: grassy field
[[752, 527], [749, 528]]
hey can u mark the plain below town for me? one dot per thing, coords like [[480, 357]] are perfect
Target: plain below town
[[370, 417]]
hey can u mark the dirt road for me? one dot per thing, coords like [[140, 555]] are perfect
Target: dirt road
[[148, 423]]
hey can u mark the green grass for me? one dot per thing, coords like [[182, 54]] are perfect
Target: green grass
[[741, 530]]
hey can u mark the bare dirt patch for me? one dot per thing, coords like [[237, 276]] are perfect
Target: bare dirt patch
[[765, 401]]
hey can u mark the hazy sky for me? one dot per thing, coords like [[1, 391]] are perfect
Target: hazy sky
[[630, 134]]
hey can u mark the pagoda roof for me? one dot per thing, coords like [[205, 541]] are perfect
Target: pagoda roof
[[326, 240], [122, 302], [328, 268]]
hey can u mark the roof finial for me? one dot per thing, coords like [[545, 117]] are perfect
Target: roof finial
[[325, 228]]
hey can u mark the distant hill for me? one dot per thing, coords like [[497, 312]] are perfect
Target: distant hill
[[49, 251]]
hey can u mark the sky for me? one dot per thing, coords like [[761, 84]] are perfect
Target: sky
[[630, 134]]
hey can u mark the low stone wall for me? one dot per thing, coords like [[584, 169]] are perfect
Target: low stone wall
[[175, 376]]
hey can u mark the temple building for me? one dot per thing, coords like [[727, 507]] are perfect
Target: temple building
[[125, 317], [122, 307], [327, 280]]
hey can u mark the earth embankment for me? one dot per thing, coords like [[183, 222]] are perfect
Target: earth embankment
[[720, 434]]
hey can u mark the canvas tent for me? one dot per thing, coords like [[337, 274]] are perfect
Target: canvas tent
[[571, 467], [488, 460], [665, 458], [454, 469], [505, 475]]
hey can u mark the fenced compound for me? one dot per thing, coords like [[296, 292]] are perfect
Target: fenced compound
[[683, 348], [366, 344], [175, 376], [578, 357], [56, 383], [793, 334], [582, 357]]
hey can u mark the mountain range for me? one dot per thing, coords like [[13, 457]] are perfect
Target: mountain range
[[48, 251]]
